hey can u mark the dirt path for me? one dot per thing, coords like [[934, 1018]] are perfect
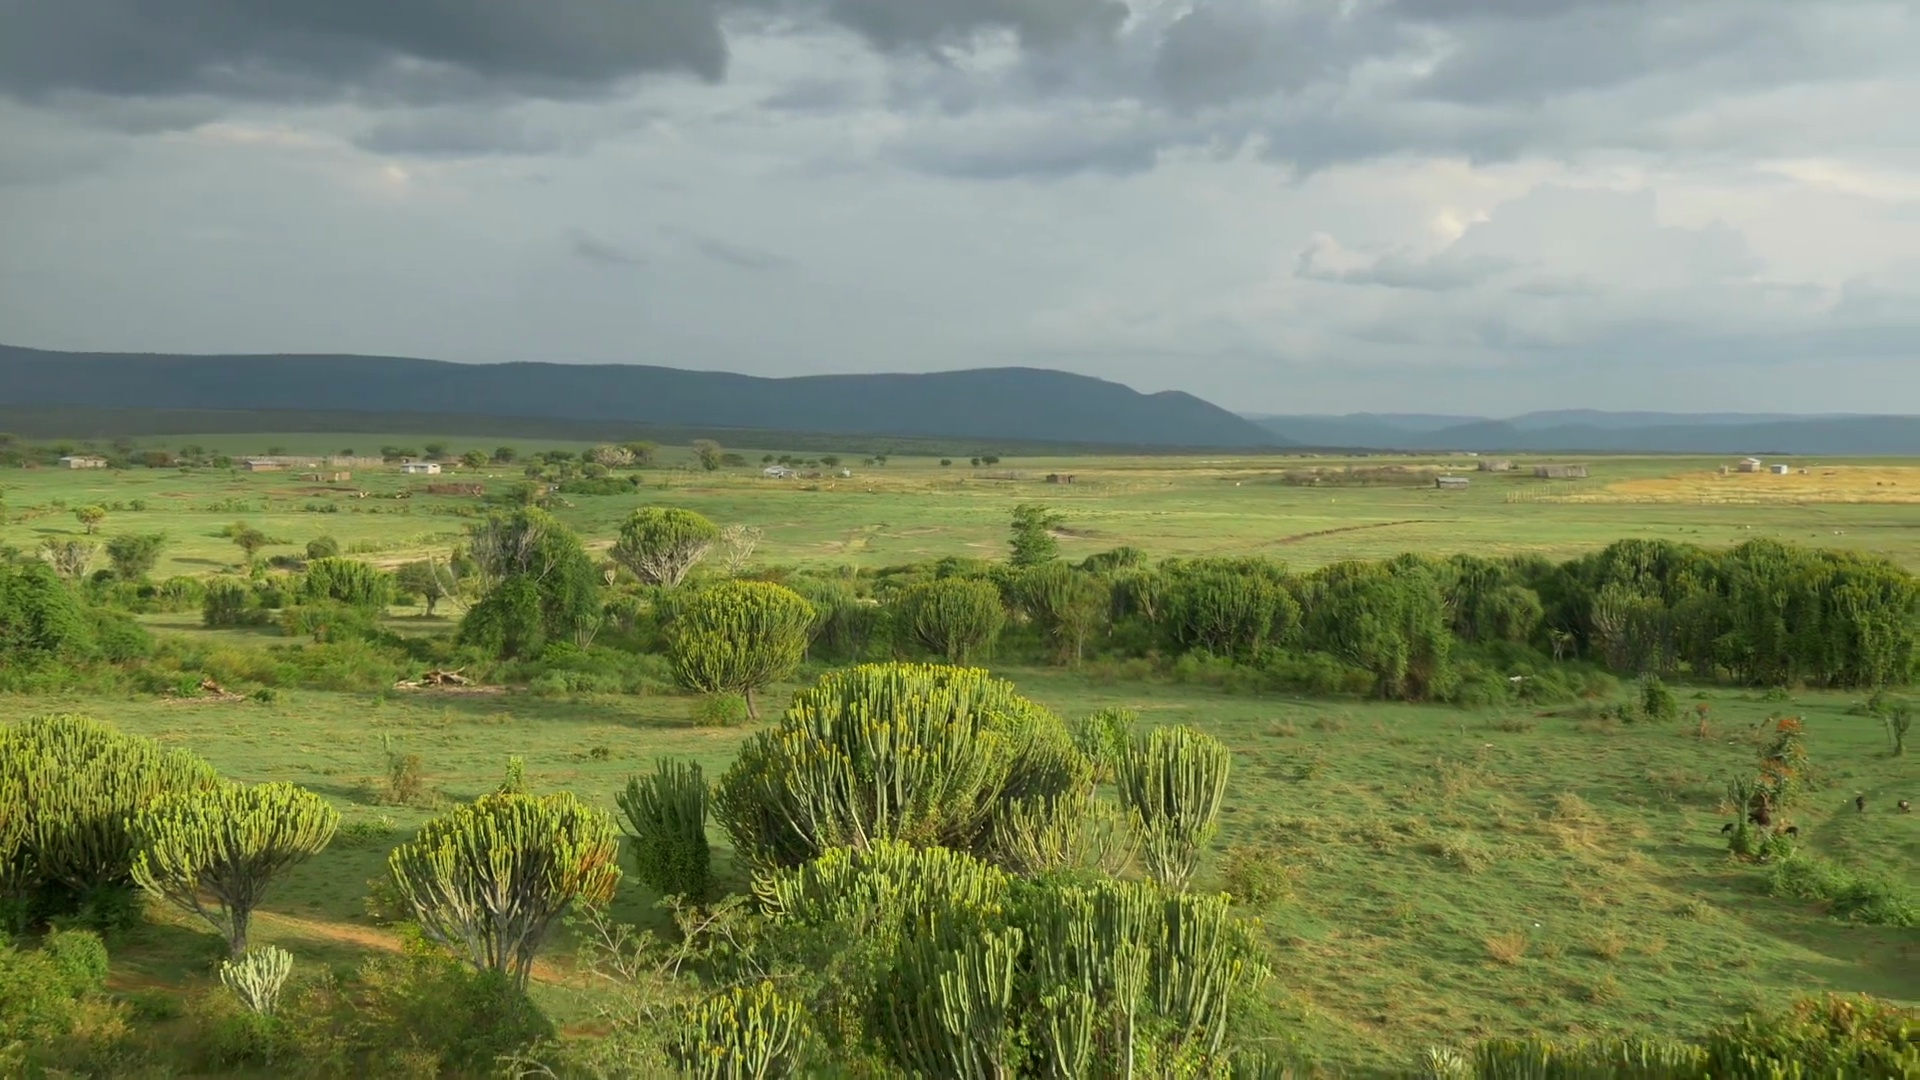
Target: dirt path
[[1352, 528]]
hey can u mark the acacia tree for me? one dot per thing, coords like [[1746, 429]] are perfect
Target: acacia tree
[[90, 517], [536, 583], [134, 555], [214, 853], [738, 636], [491, 878], [662, 544], [708, 452], [248, 539]]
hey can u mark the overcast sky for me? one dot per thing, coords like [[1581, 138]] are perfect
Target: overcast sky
[[1472, 206]]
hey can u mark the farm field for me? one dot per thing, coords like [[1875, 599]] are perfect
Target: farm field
[[1446, 874], [912, 508]]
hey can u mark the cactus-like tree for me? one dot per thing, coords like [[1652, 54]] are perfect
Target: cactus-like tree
[[1068, 605], [951, 1012], [356, 584], [662, 544], [1172, 784], [735, 637], [745, 1033], [668, 814], [258, 977], [956, 619], [215, 853], [892, 752], [490, 878], [81, 783]]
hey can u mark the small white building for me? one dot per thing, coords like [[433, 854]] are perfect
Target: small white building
[[778, 472], [420, 468], [1782, 470], [83, 461], [1751, 464]]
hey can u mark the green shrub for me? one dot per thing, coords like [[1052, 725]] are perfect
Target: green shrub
[[892, 752], [42, 990], [1103, 738], [955, 619], [1657, 703], [1254, 874], [668, 815], [225, 602], [347, 582], [322, 547], [719, 710], [491, 878], [326, 621], [82, 784], [41, 618], [1849, 895], [1172, 784], [738, 636], [1819, 1037]]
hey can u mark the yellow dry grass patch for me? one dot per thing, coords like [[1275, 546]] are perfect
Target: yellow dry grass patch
[[1806, 484]]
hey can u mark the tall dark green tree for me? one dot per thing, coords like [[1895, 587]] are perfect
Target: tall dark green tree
[[1032, 540]]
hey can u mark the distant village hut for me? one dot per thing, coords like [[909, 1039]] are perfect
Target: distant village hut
[[1751, 464], [1450, 483], [1560, 472], [420, 468], [1782, 470], [1060, 478], [254, 464], [83, 461], [1495, 465], [778, 472]]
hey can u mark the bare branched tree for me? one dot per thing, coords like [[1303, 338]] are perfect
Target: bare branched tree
[[736, 546], [69, 558]]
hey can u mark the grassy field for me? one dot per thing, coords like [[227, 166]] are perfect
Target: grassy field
[[1452, 874], [914, 508]]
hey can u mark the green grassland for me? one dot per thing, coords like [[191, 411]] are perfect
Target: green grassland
[[1450, 874], [913, 508], [1412, 838]]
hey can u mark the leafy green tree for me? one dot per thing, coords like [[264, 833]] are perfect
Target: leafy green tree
[[134, 555], [41, 619], [491, 878], [1172, 784], [474, 459], [737, 636], [1389, 618], [667, 812], [1033, 542], [90, 517], [505, 455], [215, 853], [662, 544], [436, 451], [323, 547], [536, 582], [956, 619], [708, 452], [249, 540], [643, 452], [430, 580], [926, 755], [356, 584]]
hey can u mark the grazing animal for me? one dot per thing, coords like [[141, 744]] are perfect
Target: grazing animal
[[1761, 816], [1727, 828], [1793, 830], [1905, 807], [1860, 803]]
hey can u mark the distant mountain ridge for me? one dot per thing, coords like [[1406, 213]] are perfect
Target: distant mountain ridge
[[1591, 431], [1025, 404]]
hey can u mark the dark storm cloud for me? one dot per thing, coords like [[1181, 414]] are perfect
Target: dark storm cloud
[[901, 24], [316, 49], [1221, 51]]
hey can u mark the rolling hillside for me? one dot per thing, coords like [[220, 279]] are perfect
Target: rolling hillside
[[1022, 404]]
